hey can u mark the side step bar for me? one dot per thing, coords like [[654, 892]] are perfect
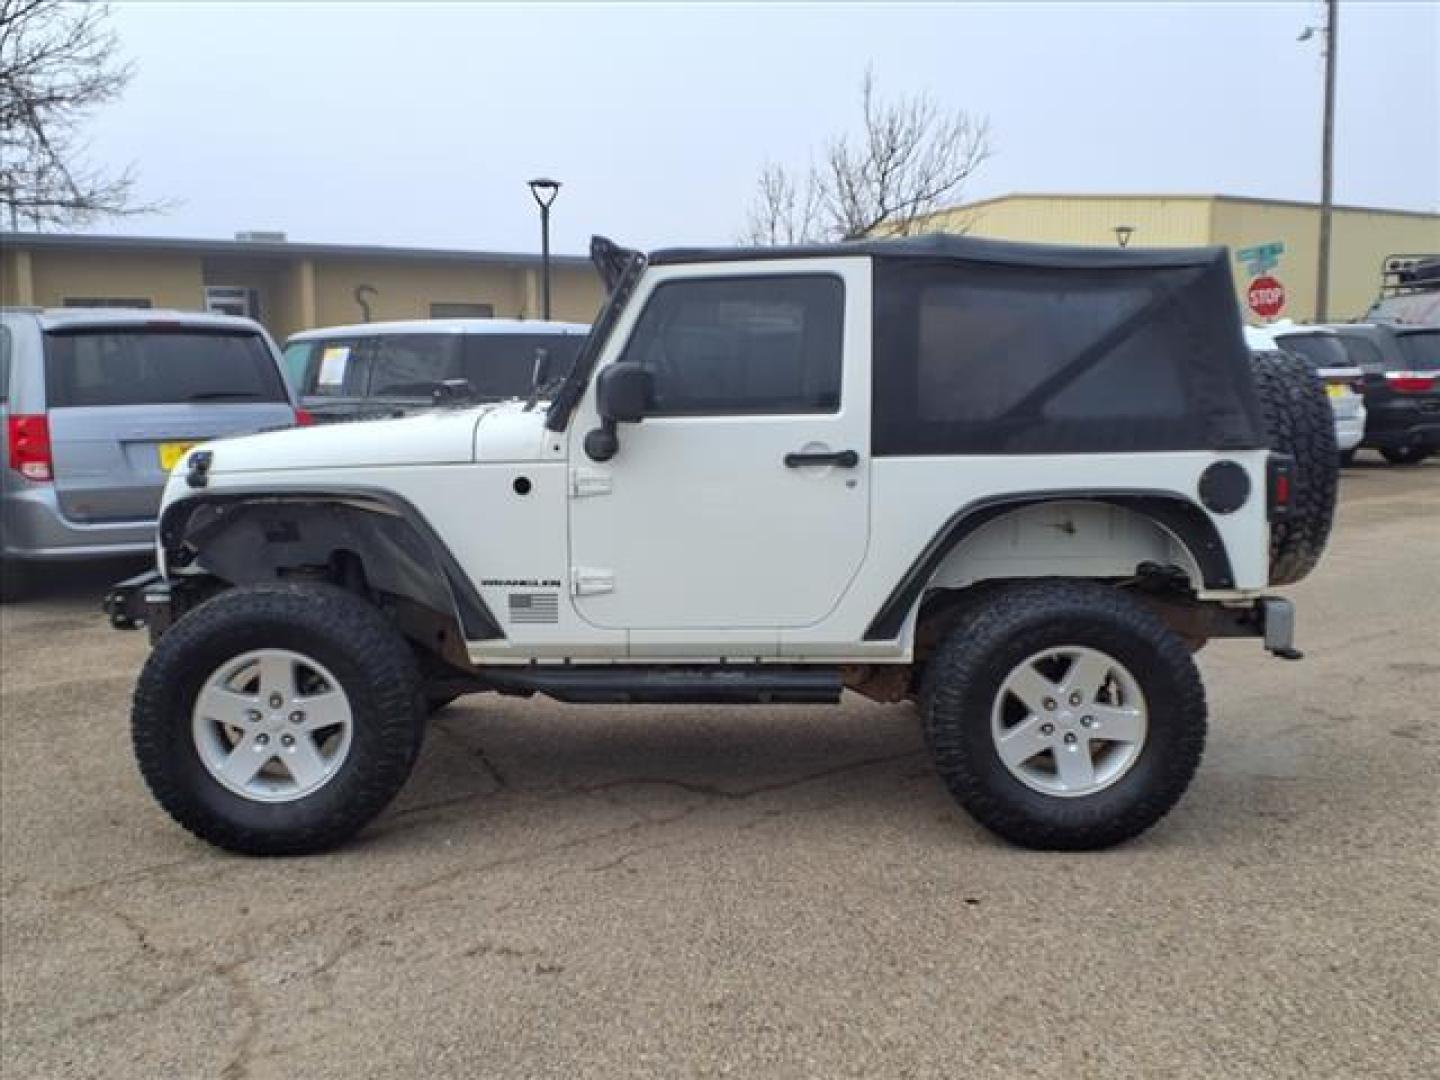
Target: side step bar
[[623, 684]]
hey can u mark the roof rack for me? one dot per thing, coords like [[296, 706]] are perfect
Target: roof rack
[[1402, 275]]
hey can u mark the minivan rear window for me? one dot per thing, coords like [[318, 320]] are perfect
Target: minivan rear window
[[88, 368], [1421, 349]]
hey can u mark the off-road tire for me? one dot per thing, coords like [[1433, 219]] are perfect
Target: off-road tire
[[966, 673], [376, 670], [1406, 455], [1300, 422]]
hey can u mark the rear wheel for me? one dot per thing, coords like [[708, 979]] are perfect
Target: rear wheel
[[1301, 424], [1064, 716], [1406, 455], [278, 719]]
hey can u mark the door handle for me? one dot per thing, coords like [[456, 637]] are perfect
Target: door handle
[[846, 459]]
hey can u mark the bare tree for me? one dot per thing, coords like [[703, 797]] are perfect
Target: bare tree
[[58, 63], [910, 157]]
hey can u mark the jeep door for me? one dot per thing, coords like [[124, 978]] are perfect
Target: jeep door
[[739, 505]]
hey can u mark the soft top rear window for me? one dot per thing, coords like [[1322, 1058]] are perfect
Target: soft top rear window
[[1421, 349], [989, 359], [148, 366]]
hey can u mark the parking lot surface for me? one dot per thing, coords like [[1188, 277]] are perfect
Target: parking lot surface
[[753, 892]]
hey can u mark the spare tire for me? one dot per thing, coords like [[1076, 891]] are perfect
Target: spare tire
[[1300, 423]]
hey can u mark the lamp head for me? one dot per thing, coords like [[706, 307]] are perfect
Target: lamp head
[[544, 190]]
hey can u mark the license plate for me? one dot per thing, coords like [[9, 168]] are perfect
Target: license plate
[[172, 452], [1336, 391]]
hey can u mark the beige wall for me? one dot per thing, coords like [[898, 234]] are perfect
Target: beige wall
[[1058, 220], [1361, 238], [295, 292], [167, 281], [406, 290]]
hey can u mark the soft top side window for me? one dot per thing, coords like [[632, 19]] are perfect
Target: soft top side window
[[763, 344]]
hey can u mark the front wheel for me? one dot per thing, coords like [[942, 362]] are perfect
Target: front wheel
[[1406, 455], [278, 719], [1064, 715]]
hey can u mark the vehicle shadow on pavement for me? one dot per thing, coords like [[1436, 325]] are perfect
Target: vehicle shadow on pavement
[[74, 585]]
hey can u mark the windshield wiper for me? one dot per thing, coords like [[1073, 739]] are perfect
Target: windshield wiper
[[220, 395]]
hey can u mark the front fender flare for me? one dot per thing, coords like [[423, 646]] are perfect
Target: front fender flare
[[382, 520]]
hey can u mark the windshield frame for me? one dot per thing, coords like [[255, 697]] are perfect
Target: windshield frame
[[624, 267]]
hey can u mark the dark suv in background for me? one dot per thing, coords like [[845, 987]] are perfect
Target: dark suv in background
[[99, 404], [1400, 369]]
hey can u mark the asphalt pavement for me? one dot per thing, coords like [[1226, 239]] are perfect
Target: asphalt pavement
[[752, 892]]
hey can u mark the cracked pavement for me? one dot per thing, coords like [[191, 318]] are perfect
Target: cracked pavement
[[755, 891]]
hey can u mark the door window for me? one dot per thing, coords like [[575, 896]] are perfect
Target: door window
[[735, 346]]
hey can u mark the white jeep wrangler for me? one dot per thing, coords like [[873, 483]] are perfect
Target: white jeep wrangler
[[1016, 485]]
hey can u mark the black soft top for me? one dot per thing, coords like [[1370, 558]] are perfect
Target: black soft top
[[970, 249]]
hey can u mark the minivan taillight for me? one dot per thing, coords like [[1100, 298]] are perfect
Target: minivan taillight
[[1410, 382], [28, 438], [303, 418]]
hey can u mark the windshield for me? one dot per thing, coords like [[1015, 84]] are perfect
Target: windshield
[[411, 366], [1421, 350], [86, 368]]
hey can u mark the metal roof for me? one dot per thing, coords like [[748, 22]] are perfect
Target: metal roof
[[162, 245]]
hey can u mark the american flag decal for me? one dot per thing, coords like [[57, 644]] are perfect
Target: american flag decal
[[534, 607]]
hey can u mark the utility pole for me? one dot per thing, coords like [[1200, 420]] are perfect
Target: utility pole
[[1327, 164]]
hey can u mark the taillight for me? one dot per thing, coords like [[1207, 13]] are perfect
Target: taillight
[[303, 418], [1410, 382], [1280, 477], [28, 438]]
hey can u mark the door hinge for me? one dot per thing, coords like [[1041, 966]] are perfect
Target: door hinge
[[586, 581], [585, 482]]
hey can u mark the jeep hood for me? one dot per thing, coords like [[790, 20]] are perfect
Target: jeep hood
[[502, 432]]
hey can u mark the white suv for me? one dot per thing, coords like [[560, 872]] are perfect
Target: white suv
[[1017, 485]]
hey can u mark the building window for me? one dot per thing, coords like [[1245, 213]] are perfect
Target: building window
[[232, 300], [106, 301], [457, 309]]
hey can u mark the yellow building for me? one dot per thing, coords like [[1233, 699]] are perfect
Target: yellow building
[[288, 286], [1361, 236]]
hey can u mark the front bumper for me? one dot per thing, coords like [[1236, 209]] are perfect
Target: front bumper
[[150, 600]]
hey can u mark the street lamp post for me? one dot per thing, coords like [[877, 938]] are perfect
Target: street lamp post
[[1327, 156], [544, 190]]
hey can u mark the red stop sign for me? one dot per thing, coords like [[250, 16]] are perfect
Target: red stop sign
[[1266, 296]]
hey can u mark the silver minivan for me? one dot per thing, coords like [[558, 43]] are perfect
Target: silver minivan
[[99, 404]]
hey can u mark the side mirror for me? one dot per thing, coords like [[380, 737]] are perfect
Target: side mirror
[[623, 393]]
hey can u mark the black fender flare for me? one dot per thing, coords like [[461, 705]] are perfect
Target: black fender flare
[[1180, 516], [448, 588]]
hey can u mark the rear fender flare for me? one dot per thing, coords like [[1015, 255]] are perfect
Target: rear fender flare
[[1179, 516]]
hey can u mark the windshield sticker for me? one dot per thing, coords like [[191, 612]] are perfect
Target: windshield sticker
[[333, 362]]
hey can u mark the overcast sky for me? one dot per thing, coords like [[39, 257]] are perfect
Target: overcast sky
[[418, 124]]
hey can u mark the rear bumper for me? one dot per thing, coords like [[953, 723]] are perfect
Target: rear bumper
[[1398, 438], [1349, 433], [32, 527]]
